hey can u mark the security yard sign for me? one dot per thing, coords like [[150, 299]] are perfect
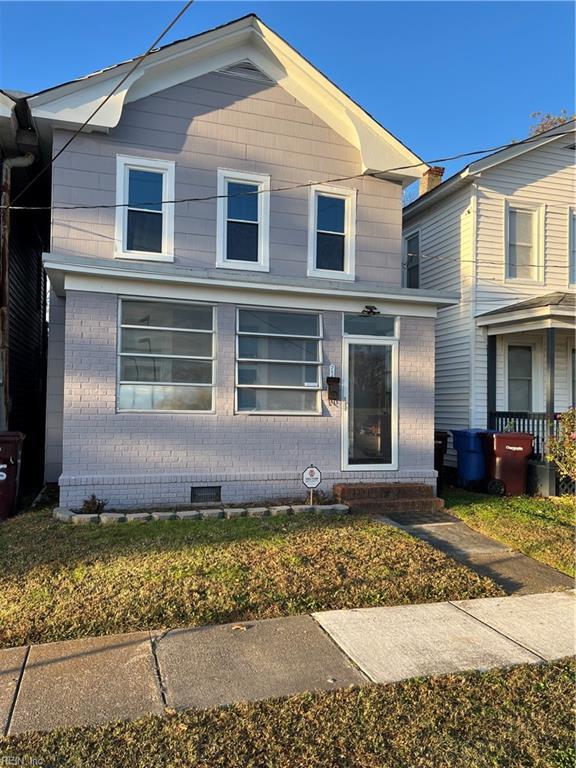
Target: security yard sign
[[312, 477]]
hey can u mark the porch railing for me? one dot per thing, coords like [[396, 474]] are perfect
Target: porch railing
[[523, 421]]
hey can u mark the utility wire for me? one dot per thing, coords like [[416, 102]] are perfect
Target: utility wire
[[207, 198], [137, 63]]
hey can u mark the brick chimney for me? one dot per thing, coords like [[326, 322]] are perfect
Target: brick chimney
[[431, 179]]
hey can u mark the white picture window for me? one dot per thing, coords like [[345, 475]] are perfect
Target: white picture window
[[412, 260], [523, 246], [165, 356], [145, 215], [520, 393], [332, 232], [278, 362], [243, 220]]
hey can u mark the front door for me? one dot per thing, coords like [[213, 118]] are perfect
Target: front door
[[369, 424]]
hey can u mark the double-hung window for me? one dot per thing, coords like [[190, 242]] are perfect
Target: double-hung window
[[412, 264], [519, 378], [144, 213], [523, 246], [279, 357], [243, 212], [332, 232], [166, 356]]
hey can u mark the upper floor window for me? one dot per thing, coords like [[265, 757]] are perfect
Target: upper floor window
[[572, 245], [166, 356], [412, 256], [332, 232], [144, 217], [523, 247], [243, 220]]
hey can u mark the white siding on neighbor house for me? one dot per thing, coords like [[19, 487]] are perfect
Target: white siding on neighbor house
[[221, 121], [446, 264], [544, 176]]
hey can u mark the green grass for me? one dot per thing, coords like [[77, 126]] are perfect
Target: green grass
[[540, 528], [515, 718], [60, 582]]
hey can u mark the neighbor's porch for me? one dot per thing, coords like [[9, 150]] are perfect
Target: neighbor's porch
[[531, 365]]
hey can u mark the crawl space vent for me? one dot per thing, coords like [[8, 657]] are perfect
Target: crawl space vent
[[205, 494]]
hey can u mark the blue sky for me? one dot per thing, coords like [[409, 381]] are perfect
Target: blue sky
[[444, 77]]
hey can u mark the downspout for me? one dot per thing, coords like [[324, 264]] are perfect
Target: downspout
[[22, 161]]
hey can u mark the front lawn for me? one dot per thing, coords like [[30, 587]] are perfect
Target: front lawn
[[512, 718], [540, 528], [60, 582]]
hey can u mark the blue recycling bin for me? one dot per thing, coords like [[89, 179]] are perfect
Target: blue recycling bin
[[470, 453]]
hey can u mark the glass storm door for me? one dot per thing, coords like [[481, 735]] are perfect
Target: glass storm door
[[369, 436]]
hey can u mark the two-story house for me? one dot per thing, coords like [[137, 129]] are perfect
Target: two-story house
[[226, 274], [503, 233]]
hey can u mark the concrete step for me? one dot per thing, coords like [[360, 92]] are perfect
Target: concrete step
[[396, 506], [347, 492]]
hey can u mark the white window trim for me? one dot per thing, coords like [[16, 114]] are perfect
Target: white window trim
[[539, 227], [119, 354], [350, 196], [344, 447], [537, 373], [570, 350], [263, 182], [410, 233], [571, 246], [319, 364], [167, 167]]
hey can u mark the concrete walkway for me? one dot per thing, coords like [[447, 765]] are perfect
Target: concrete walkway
[[517, 574], [97, 680]]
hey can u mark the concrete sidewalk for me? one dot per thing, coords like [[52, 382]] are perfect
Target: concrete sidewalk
[[517, 574], [97, 680]]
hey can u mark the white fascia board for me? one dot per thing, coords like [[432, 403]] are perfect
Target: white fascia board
[[503, 155], [248, 39], [534, 325], [65, 276], [535, 313]]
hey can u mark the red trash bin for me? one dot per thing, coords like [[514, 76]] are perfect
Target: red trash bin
[[507, 455], [10, 455]]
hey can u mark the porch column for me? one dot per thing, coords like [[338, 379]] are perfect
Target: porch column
[[550, 365], [491, 388]]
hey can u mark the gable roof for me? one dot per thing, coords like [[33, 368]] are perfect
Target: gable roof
[[468, 174], [246, 39]]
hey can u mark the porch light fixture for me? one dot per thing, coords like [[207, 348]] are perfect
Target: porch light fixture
[[369, 311]]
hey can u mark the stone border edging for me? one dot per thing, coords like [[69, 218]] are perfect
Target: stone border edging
[[65, 515]]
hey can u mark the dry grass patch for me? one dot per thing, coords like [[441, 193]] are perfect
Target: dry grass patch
[[540, 528], [516, 718], [61, 582]]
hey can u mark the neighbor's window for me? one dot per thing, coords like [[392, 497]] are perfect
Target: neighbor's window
[[166, 356], [332, 224], [243, 220], [523, 257], [279, 356], [144, 216], [519, 378], [413, 261]]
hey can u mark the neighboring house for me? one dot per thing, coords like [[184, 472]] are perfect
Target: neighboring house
[[503, 233], [191, 342], [22, 407]]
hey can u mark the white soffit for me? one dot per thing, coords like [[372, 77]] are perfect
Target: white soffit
[[245, 40]]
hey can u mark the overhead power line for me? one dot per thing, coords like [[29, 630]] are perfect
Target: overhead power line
[[276, 190], [132, 69]]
